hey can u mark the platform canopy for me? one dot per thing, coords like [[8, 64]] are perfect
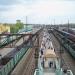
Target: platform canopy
[[50, 54]]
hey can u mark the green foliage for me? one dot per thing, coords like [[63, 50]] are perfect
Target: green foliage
[[19, 25], [15, 28]]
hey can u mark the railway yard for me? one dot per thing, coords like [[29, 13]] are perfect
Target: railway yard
[[21, 58], [37, 37]]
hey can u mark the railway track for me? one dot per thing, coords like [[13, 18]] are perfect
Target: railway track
[[68, 60], [7, 49], [26, 66], [4, 50]]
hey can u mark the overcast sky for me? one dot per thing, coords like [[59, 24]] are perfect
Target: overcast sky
[[37, 11]]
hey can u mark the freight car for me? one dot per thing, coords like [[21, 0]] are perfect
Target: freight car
[[8, 40], [68, 45], [8, 62], [67, 35], [70, 30]]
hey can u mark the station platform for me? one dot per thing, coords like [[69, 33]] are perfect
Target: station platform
[[48, 61]]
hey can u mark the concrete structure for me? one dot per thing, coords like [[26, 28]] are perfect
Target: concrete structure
[[4, 28]]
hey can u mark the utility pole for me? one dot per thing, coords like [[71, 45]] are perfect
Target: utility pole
[[26, 23], [54, 21], [68, 25]]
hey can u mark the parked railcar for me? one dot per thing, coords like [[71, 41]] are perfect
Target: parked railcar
[[71, 30], [69, 47], [67, 35], [12, 62]]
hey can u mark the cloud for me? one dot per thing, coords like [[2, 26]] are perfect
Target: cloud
[[7, 5], [38, 11], [5, 8], [8, 2]]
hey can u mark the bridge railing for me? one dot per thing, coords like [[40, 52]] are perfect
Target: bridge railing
[[69, 72], [39, 70], [58, 69], [36, 72]]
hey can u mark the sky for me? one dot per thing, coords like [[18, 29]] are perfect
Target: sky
[[37, 11]]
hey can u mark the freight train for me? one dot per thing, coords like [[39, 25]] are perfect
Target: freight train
[[9, 61], [67, 35], [70, 46], [70, 30]]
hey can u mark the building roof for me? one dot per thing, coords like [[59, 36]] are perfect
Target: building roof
[[50, 54]]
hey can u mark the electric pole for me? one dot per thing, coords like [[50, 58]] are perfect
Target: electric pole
[[26, 23]]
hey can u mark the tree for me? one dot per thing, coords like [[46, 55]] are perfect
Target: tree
[[19, 25], [15, 28]]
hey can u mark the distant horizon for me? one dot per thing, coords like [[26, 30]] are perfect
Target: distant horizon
[[39, 23]]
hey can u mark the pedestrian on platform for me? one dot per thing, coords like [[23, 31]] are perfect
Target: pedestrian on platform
[[50, 64]]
